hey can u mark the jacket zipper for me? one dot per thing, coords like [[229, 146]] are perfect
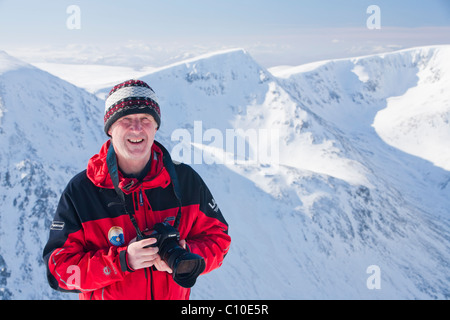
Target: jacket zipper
[[151, 281], [151, 284]]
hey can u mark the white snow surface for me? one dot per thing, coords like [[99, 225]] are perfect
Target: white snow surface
[[361, 178]]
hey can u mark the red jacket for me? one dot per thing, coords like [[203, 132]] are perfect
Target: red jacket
[[86, 250]]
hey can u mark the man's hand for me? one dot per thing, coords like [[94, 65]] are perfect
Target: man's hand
[[140, 257]]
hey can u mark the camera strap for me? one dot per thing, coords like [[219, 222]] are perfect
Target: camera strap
[[111, 162], [170, 167]]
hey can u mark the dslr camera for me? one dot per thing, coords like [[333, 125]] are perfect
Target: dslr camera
[[186, 266]]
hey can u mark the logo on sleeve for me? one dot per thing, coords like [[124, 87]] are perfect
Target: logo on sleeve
[[214, 206], [57, 225], [115, 236]]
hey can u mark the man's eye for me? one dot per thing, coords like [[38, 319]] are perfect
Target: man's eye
[[146, 120]]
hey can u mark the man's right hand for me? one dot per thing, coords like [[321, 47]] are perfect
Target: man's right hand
[[140, 257]]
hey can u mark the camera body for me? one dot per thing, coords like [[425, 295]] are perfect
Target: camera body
[[164, 234], [186, 266]]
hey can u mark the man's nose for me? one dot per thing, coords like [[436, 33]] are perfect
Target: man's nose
[[136, 125]]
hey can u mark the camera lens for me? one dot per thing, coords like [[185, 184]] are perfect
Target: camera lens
[[186, 266]]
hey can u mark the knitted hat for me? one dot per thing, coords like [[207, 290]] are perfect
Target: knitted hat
[[131, 97]]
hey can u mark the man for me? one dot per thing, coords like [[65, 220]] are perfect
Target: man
[[102, 242]]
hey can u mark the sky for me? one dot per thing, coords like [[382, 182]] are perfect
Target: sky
[[158, 32]]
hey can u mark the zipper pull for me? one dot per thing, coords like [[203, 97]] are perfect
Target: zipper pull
[[141, 198]]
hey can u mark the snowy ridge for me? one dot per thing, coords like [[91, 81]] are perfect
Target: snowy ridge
[[407, 85], [345, 195]]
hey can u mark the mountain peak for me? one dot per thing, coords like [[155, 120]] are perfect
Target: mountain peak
[[234, 55], [234, 52], [286, 71], [9, 63]]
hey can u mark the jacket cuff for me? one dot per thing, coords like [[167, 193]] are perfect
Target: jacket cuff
[[123, 258]]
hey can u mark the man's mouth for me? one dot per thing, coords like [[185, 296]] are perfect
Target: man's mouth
[[135, 141]]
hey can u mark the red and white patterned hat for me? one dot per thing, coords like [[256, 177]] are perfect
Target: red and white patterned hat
[[131, 97]]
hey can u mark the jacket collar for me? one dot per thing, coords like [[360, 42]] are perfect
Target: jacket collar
[[97, 171]]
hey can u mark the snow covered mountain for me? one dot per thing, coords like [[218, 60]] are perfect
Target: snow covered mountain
[[47, 129], [351, 184]]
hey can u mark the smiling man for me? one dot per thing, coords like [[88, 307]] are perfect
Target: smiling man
[[134, 225]]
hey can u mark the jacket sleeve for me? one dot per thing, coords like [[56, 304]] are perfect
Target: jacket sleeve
[[208, 236], [71, 266]]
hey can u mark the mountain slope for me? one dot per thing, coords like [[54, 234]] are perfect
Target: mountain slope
[[405, 89], [368, 100], [407, 199], [48, 127]]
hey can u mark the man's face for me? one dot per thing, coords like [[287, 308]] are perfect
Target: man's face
[[133, 136]]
